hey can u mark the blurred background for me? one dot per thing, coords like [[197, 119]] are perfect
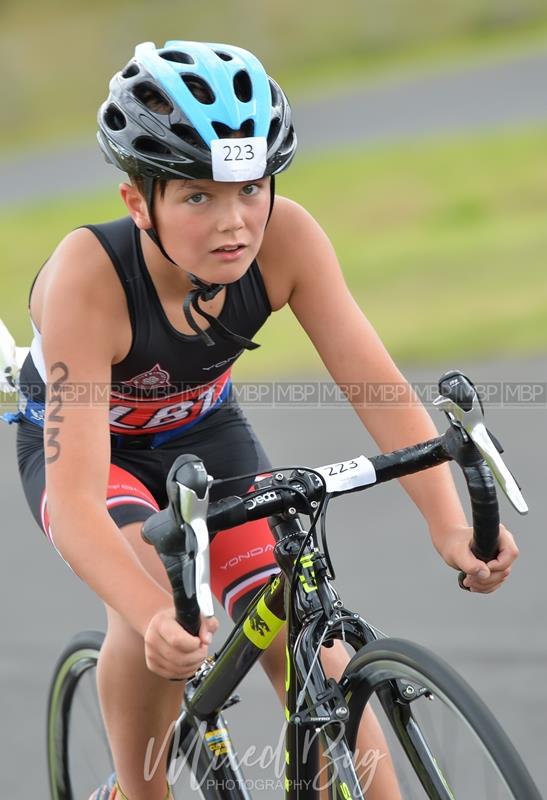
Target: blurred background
[[423, 131]]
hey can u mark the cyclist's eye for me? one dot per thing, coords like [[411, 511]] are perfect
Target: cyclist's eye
[[251, 189], [196, 199]]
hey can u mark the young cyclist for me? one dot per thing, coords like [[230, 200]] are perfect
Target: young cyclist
[[156, 307]]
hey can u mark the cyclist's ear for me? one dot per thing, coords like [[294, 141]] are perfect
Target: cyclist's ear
[[136, 205]]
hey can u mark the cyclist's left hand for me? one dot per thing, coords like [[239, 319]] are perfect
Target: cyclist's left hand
[[481, 577]]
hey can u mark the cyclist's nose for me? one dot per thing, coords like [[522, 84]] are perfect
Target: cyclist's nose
[[230, 219]]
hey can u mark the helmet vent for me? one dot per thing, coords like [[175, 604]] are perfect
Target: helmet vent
[[274, 130], [187, 134], [223, 56], [274, 91], [114, 118], [243, 87], [150, 97], [225, 132], [130, 71], [149, 146], [199, 88], [289, 142], [176, 55]]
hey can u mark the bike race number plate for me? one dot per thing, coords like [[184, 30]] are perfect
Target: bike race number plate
[[348, 474]]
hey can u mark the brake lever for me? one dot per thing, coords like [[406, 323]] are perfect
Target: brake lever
[[11, 361], [471, 420], [193, 519]]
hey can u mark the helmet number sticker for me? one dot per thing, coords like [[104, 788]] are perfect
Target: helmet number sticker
[[239, 159]]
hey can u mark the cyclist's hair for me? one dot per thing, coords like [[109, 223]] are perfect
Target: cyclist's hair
[[138, 182]]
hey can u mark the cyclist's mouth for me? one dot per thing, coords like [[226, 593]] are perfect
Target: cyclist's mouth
[[229, 252]]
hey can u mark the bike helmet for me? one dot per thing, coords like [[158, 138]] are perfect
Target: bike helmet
[[169, 107], [196, 110]]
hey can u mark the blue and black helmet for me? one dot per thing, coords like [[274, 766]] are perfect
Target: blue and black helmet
[[168, 106]]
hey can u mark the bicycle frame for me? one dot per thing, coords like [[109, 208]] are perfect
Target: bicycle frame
[[312, 714]]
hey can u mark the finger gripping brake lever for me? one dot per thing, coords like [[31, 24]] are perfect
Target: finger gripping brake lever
[[461, 403]]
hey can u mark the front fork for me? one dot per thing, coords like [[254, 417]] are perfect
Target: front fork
[[321, 714], [301, 742]]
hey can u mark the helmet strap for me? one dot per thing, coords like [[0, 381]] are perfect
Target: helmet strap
[[149, 188], [272, 196]]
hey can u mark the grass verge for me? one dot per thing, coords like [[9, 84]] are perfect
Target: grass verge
[[442, 242]]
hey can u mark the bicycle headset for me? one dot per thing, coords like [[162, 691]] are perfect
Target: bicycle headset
[[169, 110]]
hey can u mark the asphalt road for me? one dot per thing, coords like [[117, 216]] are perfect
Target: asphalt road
[[386, 569], [498, 92]]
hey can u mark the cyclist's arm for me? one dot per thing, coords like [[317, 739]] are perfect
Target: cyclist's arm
[[354, 354], [78, 350]]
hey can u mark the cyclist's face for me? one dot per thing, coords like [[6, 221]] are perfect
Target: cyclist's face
[[200, 222]]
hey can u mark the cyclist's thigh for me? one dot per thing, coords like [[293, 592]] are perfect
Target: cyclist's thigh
[[241, 563], [128, 500]]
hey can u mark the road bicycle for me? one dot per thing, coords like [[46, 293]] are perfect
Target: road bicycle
[[444, 742]]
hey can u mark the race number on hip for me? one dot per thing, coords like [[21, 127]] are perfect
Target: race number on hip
[[239, 159]]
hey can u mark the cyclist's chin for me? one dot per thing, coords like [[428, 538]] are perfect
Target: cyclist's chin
[[218, 269]]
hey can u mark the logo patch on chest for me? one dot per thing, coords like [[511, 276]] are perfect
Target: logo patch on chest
[[152, 379]]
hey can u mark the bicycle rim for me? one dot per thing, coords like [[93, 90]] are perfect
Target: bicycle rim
[[443, 741], [79, 757]]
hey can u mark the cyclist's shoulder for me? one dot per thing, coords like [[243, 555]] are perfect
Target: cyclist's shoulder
[[79, 265], [290, 233], [77, 277], [290, 240], [82, 246], [287, 214], [294, 245]]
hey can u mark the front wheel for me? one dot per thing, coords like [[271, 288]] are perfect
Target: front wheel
[[79, 757], [444, 742], [78, 753]]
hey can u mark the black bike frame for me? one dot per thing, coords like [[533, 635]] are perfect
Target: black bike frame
[[312, 705], [316, 708]]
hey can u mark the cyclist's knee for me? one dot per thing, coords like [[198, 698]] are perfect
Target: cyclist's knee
[[334, 660], [119, 631]]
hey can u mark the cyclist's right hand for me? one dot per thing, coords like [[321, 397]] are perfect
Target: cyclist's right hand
[[172, 652]]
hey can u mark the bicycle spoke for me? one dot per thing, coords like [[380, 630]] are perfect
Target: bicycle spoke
[[88, 750]]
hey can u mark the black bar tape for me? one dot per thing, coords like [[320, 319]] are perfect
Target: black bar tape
[[181, 572], [484, 507], [409, 460]]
